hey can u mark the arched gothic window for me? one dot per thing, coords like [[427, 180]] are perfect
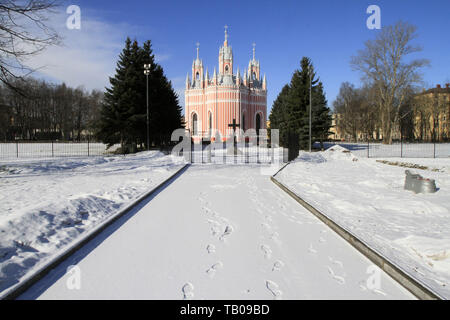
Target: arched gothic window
[[210, 123], [194, 124]]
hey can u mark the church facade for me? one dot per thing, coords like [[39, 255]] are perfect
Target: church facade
[[214, 103]]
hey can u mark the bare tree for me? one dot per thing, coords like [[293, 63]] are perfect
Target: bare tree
[[24, 32], [382, 63], [348, 105], [47, 111]]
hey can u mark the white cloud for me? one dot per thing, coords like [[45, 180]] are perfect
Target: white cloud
[[88, 56]]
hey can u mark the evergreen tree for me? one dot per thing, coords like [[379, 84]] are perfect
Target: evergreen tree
[[278, 115], [321, 116], [298, 102], [111, 128], [124, 113], [290, 112]]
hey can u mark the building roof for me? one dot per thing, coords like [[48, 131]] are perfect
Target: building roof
[[438, 90]]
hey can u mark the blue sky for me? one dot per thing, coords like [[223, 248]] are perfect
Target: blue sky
[[329, 32]]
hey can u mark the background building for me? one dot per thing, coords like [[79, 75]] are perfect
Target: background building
[[432, 114], [213, 103]]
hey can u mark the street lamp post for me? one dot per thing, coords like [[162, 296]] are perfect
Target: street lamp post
[[310, 109], [147, 73]]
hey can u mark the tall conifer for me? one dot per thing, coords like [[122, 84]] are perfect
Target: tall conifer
[[124, 113]]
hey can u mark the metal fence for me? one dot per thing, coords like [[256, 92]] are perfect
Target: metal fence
[[247, 154], [395, 150], [48, 149]]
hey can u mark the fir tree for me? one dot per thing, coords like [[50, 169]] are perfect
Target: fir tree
[[278, 115], [124, 113], [111, 129], [321, 116], [290, 112]]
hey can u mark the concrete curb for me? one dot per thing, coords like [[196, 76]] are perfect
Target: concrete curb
[[15, 291], [418, 289]]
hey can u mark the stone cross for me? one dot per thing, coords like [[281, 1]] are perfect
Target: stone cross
[[234, 125]]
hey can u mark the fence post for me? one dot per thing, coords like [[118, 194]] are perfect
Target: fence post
[[401, 146], [17, 149], [88, 146], [434, 149], [53, 152], [368, 148]]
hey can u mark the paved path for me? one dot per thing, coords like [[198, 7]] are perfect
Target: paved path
[[219, 232]]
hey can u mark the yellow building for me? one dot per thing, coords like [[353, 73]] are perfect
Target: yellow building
[[432, 114], [336, 132]]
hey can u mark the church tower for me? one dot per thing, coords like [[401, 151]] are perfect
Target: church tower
[[212, 104], [226, 57], [254, 70], [197, 71]]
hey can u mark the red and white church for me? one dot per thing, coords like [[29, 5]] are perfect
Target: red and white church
[[214, 103]]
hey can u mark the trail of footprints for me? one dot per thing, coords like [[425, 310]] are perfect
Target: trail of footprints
[[221, 229], [267, 228]]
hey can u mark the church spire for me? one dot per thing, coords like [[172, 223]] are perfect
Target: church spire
[[198, 49], [254, 51], [225, 43]]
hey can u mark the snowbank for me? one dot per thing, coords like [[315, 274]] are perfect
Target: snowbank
[[46, 204], [367, 197]]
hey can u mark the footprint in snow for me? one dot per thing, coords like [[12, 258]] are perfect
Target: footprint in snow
[[274, 289], [336, 262], [211, 272], [188, 291], [211, 248], [278, 265], [311, 249], [228, 230], [213, 222], [206, 210], [274, 236], [267, 251], [339, 279], [215, 231], [376, 291], [266, 226]]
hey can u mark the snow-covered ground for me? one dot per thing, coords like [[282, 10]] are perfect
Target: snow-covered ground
[[22, 150], [218, 232], [367, 197], [45, 204], [397, 150]]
